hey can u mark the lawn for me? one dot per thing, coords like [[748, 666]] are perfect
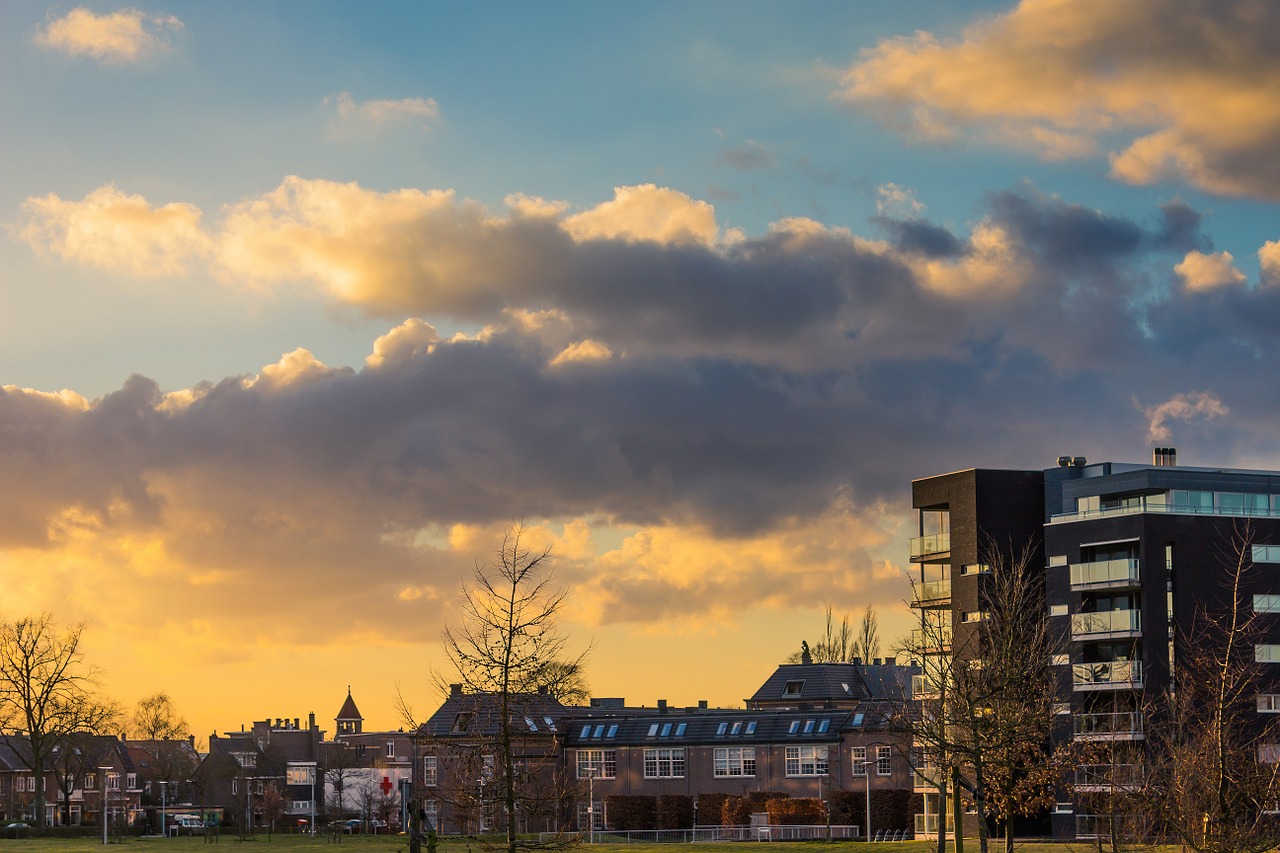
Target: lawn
[[399, 844]]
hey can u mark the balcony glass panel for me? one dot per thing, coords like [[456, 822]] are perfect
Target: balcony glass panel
[[1119, 724], [1107, 622], [1104, 572], [932, 639], [1109, 775], [1115, 673], [934, 590], [938, 543]]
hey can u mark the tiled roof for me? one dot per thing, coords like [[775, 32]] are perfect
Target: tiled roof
[[477, 715], [713, 727], [349, 710]]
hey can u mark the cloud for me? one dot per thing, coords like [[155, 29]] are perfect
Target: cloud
[[1269, 259], [116, 37], [1181, 407], [1062, 81], [1200, 271], [114, 231], [376, 113], [749, 156], [647, 212]]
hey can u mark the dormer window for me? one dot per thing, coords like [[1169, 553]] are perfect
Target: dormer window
[[462, 722], [793, 688]]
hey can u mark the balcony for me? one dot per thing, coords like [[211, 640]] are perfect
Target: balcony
[[1119, 725], [1105, 826], [1113, 675], [1104, 574], [931, 640], [933, 593], [923, 687], [927, 824], [1107, 624], [1108, 777], [930, 546]]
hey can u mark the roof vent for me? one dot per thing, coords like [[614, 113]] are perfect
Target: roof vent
[[1164, 457], [1064, 461], [1079, 461]]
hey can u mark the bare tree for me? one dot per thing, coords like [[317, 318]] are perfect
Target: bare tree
[[867, 644], [507, 638], [46, 693], [1214, 782], [155, 718], [838, 645]]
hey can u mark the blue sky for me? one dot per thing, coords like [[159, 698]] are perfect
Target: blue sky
[[695, 289]]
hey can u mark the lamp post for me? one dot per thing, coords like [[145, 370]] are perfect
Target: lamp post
[[866, 765], [164, 808], [591, 804], [102, 771]]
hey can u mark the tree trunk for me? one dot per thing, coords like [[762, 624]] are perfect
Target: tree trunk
[[957, 809]]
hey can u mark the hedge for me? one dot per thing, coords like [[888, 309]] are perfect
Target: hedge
[[737, 811], [711, 808], [631, 811], [792, 811], [675, 811]]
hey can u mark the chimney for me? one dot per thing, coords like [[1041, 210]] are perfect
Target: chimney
[[295, 722], [455, 689], [875, 662], [1064, 461], [1164, 457], [1079, 461], [311, 721], [857, 661], [662, 706], [702, 704]]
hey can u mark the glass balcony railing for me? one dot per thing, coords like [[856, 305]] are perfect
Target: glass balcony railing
[[927, 824], [923, 687], [1109, 776], [1104, 573], [924, 546], [1118, 675], [1106, 623], [934, 591], [1118, 725], [931, 639]]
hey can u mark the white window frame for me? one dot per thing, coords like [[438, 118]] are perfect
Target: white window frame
[[1059, 659], [858, 754], [1266, 653], [664, 763], [729, 761], [1269, 703], [807, 761], [1059, 610], [603, 761], [430, 771], [1267, 603], [884, 761]]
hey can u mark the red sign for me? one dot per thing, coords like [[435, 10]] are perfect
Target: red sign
[[386, 785]]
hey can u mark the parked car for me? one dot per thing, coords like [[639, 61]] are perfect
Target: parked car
[[186, 824], [17, 829]]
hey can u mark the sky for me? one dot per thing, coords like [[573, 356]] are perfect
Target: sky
[[302, 304]]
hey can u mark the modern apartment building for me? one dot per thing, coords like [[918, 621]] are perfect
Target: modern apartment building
[[1133, 555]]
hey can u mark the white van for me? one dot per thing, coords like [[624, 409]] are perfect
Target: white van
[[186, 824]]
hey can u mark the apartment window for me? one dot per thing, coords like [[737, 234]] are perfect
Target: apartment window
[[884, 760], [391, 749], [429, 772], [600, 763], [1266, 653], [1063, 808], [806, 761], [1057, 560], [859, 755], [1266, 604], [975, 616], [1269, 703], [1058, 610], [1266, 553], [1061, 708], [975, 569], [664, 763], [1060, 659], [735, 761]]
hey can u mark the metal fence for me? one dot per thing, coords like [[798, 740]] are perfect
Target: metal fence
[[762, 832]]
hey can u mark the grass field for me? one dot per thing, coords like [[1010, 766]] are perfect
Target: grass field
[[399, 844]]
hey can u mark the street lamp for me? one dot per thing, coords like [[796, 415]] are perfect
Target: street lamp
[[866, 767], [591, 804], [102, 771], [164, 808]]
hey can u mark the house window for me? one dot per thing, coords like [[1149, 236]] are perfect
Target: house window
[[721, 729], [751, 727], [235, 787], [653, 730], [90, 781], [859, 754], [1266, 653], [793, 688], [551, 724], [884, 763], [592, 812], [735, 761], [1058, 610], [131, 781], [391, 749], [1269, 703], [664, 763], [806, 761], [613, 730], [462, 722], [600, 763], [794, 727], [113, 782], [429, 770], [975, 616]]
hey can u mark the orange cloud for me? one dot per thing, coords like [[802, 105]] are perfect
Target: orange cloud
[[647, 212], [1193, 92], [1200, 271], [115, 231], [116, 37]]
